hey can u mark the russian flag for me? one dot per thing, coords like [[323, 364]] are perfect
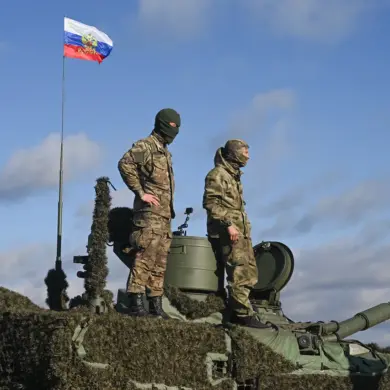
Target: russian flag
[[85, 42]]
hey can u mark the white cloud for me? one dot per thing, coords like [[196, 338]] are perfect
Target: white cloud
[[316, 20], [328, 21], [36, 168], [274, 99], [361, 203], [266, 111], [23, 262], [265, 123], [177, 19]]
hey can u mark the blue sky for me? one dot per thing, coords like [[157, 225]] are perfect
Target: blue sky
[[305, 84]]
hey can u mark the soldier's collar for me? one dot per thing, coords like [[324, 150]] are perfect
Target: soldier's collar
[[236, 172], [158, 141]]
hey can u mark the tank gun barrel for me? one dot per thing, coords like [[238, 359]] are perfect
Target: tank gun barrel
[[334, 331]]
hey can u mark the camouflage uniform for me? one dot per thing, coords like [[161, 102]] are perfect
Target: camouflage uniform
[[147, 169], [225, 206]]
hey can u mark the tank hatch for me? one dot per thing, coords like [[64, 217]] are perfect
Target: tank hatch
[[275, 262]]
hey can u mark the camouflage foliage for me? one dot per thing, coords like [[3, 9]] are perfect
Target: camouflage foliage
[[254, 360], [57, 285], [147, 168], [223, 198], [191, 308], [35, 354], [13, 301], [79, 303], [97, 270], [35, 351]]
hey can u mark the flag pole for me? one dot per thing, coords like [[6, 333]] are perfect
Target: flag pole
[[60, 184]]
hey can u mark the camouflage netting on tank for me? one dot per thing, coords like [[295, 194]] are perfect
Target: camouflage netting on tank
[[96, 268], [253, 359], [79, 303], [36, 351], [57, 285], [191, 308], [13, 301]]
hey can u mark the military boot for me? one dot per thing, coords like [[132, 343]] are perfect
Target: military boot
[[155, 307], [250, 321], [137, 307]]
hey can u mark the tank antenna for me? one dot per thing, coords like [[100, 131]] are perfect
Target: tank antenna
[[60, 184]]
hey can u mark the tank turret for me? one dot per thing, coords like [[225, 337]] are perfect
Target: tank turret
[[192, 265], [193, 269]]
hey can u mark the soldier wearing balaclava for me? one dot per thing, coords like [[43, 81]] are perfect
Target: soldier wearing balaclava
[[163, 124], [234, 153], [229, 229], [147, 171]]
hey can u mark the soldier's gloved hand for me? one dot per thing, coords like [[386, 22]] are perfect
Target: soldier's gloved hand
[[233, 233], [151, 199]]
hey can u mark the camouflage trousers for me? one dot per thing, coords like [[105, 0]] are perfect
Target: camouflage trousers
[[241, 269], [150, 239]]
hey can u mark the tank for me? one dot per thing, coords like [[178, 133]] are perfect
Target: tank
[[90, 342], [314, 348]]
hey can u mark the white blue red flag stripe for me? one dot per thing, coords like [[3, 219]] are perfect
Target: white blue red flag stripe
[[85, 42]]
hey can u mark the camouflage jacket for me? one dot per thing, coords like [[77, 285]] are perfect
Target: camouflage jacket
[[147, 169], [223, 199]]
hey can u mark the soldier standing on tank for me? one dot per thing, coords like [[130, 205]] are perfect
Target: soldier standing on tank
[[147, 171], [229, 229]]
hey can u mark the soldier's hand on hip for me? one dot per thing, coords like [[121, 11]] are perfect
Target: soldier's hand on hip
[[233, 233], [151, 199]]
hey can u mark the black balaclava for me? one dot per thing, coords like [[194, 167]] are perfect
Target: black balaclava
[[232, 153], [162, 126]]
